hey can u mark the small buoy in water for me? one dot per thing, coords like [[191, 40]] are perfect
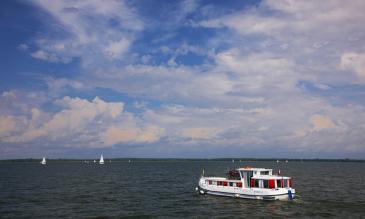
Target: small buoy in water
[[201, 192], [237, 195]]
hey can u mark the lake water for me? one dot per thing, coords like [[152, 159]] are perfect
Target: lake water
[[166, 188]]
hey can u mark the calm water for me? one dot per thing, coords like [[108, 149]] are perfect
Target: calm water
[[166, 189]]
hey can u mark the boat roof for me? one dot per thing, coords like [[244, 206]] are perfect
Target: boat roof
[[270, 177], [221, 178], [254, 169]]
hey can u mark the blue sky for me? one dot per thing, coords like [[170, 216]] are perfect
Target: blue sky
[[273, 78]]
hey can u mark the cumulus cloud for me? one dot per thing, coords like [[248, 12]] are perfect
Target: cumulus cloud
[[320, 122], [354, 62], [114, 135], [116, 49], [77, 116]]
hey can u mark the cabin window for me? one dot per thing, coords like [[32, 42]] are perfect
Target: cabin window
[[219, 183], [248, 177], [225, 183], [266, 183], [271, 184], [230, 183], [252, 183], [256, 183], [279, 183], [214, 183], [265, 172], [286, 183], [239, 184], [290, 182], [210, 182]]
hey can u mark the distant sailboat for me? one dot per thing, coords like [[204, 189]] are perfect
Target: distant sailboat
[[43, 162], [277, 161], [129, 161], [101, 160], [286, 161], [94, 161]]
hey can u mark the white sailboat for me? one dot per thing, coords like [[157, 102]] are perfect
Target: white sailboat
[[43, 162], [101, 160]]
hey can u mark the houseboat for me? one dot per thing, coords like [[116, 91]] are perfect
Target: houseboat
[[249, 183]]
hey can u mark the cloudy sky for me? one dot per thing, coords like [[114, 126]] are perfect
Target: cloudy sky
[[136, 78]]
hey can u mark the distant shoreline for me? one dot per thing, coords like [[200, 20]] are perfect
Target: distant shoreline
[[237, 160]]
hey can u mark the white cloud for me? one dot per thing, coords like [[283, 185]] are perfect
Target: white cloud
[[23, 46], [116, 49], [199, 133], [77, 116], [7, 124], [9, 94], [78, 123], [321, 122], [114, 135], [94, 31], [314, 34], [354, 62], [42, 55]]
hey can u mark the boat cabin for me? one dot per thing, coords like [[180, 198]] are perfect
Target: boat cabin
[[248, 177], [247, 173]]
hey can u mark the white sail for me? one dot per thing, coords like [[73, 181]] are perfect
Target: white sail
[[43, 161], [101, 160]]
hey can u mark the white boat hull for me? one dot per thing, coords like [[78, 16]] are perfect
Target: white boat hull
[[283, 196]]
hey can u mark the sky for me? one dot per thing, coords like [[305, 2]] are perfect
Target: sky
[[184, 79]]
